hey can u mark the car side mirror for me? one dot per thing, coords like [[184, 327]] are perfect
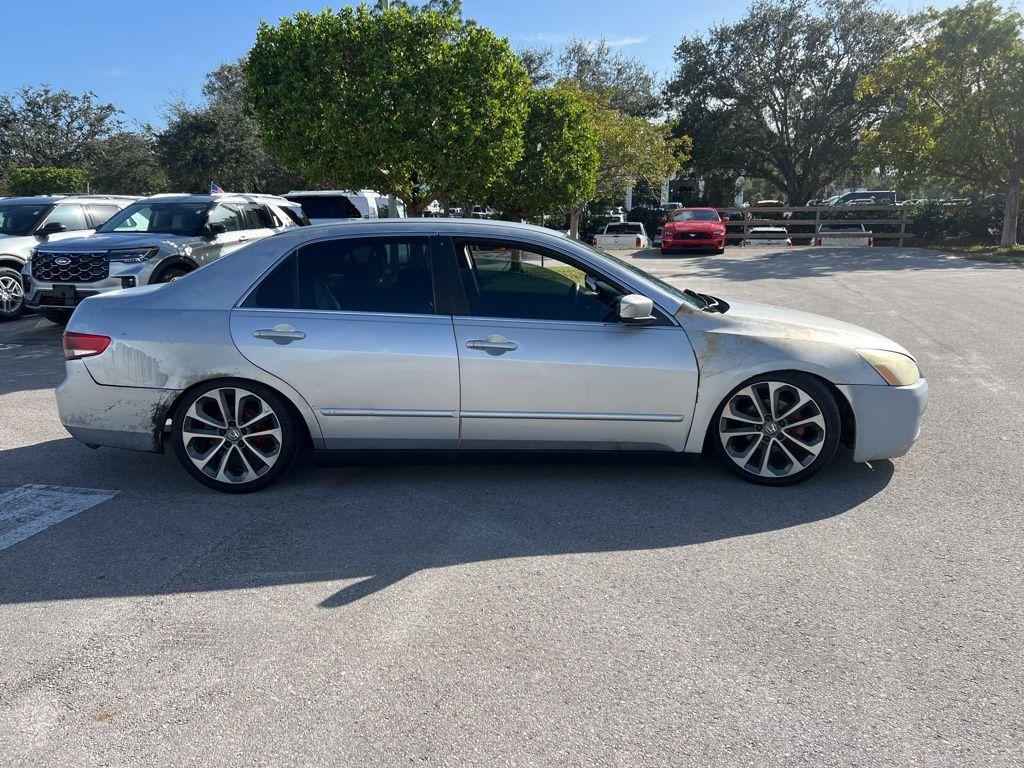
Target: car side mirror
[[634, 308], [662, 220], [52, 228], [214, 228], [726, 218]]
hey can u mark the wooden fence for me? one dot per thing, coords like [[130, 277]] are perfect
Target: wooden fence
[[803, 223]]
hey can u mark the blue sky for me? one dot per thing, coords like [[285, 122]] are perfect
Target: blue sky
[[141, 53]]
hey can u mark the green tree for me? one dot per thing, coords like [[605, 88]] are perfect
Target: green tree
[[955, 105], [418, 103], [46, 128], [559, 162], [46, 181], [219, 140], [629, 148], [773, 95], [126, 163], [596, 67]]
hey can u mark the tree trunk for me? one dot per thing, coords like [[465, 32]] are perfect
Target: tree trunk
[[574, 221], [1009, 238]]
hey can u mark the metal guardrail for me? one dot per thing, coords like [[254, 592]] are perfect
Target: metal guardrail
[[808, 229]]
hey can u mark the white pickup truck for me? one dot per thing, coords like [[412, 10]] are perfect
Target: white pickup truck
[[625, 236]]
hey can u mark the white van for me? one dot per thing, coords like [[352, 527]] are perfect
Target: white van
[[323, 206]]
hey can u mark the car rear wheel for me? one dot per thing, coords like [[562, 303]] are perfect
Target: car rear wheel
[[12, 295], [777, 429], [234, 436]]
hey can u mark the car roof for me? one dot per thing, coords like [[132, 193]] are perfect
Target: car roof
[[226, 197], [50, 199], [336, 192], [769, 229]]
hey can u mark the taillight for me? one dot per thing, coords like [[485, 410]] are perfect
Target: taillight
[[593, 241], [871, 241], [79, 345], [638, 241], [819, 241]]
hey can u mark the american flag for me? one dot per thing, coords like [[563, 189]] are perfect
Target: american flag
[[214, 189]]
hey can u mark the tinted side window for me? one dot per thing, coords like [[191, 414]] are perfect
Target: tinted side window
[[261, 217], [328, 207], [297, 215], [510, 280], [228, 215], [352, 275], [100, 213], [71, 216]]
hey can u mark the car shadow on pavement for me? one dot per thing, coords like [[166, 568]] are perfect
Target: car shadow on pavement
[[373, 526]]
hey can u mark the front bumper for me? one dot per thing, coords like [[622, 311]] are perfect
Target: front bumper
[[888, 419], [120, 417], [674, 244], [41, 294]]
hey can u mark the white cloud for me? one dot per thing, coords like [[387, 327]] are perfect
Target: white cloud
[[552, 38], [619, 41]]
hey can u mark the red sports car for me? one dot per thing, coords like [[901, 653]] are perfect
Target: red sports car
[[693, 228]]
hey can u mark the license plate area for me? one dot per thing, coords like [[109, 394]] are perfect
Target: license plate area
[[66, 295]]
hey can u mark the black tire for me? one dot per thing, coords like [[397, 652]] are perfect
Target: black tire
[[206, 392], [170, 274], [58, 318], [13, 305], [719, 251], [825, 444]]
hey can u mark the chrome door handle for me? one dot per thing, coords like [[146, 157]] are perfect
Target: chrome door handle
[[493, 345], [281, 334]]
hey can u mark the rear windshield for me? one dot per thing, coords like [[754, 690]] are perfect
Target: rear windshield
[[623, 229], [683, 214], [327, 207]]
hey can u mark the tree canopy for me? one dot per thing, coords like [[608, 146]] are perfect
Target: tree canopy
[[954, 105], [773, 95], [560, 159], [416, 102]]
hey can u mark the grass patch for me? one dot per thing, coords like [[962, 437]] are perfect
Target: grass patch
[[993, 253]]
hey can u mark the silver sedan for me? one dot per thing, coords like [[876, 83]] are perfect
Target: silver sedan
[[470, 336]]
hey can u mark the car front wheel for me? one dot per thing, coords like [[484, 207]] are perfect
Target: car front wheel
[[234, 436], [12, 296], [777, 429]]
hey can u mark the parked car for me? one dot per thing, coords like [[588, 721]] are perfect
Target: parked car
[[857, 201], [155, 240], [689, 228], [851, 239], [621, 236], [27, 222], [773, 237], [656, 240], [667, 207], [325, 206], [470, 336], [877, 196]]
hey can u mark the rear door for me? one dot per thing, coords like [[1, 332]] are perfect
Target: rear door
[[545, 363], [359, 328]]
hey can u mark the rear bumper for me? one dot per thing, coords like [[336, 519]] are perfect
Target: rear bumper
[[120, 417], [888, 419]]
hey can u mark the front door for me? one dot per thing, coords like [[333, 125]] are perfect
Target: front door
[[353, 325], [235, 234], [546, 364]]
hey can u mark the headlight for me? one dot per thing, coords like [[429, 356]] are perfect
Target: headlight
[[132, 255], [897, 370]]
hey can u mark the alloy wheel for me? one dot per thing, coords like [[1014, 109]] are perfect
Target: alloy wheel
[[232, 435], [772, 429], [11, 295]]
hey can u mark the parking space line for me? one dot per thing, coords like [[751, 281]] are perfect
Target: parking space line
[[27, 510]]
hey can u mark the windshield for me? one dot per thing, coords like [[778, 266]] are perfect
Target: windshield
[[19, 220], [684, 214], [668, 288], [165, 218]]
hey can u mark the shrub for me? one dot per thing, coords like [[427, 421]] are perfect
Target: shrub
[[45, 181]]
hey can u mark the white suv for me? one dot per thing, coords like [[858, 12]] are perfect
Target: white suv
[[27, 222]]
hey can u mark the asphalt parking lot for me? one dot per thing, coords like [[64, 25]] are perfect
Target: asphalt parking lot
[[562, 615]]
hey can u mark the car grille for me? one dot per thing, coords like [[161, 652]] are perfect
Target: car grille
[[81, 267], [693, 235]]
